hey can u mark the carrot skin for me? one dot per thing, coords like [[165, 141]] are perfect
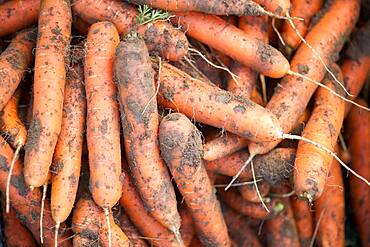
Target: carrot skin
[[103, 130], [249, 193], [222, 146], [131, 231], [181, 148], [304, 219], [280, 7], [11, 11], [54, 31]]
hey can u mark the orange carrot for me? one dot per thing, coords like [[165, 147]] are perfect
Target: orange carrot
[[276, 6], [161, 37], [358, 131], [54, 31], [17, 14], [130, 230], [329, 212], [134, 76], [312, 164], [187, 227], [222, 146], [14, 61], [249, 192], [233, 42], [181, 148], [304, 219]]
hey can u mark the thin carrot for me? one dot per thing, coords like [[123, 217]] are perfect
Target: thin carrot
[[358, 132], [181, 148], [18, 14], [14, 61], [130, 230], [304, 219], [233, 42], [249, 193], [54, 31], [161, 37], [312, 164], [222, 146], [187, 229]]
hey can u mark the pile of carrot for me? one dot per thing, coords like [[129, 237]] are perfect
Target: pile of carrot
[[185, 123]]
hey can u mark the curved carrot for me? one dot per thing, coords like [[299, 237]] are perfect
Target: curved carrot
[[68, 151], [103, 130], [233, 42], [130, 230], [330, 210], [181, 148], [54, 31], [214, 106], [134, 76], [13, 63], [161, 37], [304, 219], [18, 14], [358, 131], [289, 102], [249, 193], [312, 164]]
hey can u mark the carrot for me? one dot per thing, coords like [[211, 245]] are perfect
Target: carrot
[[249, 193], [330, 213], [156, 234], [312, 164], [272, 167], [26, 203], [13, 63], [277, 6], [291, 100], [131, 231], [17, 14], [187, 227], [15, 233], [281, 230], [134, 76], [239, 229], [357, 129], [181, 148], [68, 151], [304, 219], [54, 31], [103, 131], [119, 238], [161, 37], [233, 42], [304, 9], [214, 106], [82, 241]]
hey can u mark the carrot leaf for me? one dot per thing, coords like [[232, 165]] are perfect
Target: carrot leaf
[[147, 14]]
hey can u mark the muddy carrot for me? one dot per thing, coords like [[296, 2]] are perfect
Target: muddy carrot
[[249, 193], [304, 219], [130, 230]]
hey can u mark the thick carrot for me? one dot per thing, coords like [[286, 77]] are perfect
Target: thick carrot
[[239, 230], [18, 14], [358, 131], [327, 38], [233, 42], [181, 148], [161, 37], [214, 106], [15, 233], [119, 238], [103, 130], [330, 213], [13, 63], [25, 202], [312, 164], [134, 76], [130, 230], [54, 31], [304, 219], [156, 234], [272, 167], [304, 9], [68, 151], [249, 192], [256, 26]]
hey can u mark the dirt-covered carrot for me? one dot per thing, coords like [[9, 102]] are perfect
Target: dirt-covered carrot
[[161, 37], [18, 14], [181, 148], [312, 164], [233, 42], [130, 230], [304, 9], [152, 230], [249, 193], [54, 31], [272, 167], [26, 203], [211, 105], [330, 210], [68, 151], [15, 234], [277, 6], [358, 132], [187, 229], [14, 61], [304, 219], [134, 76], [238, 228], [327, 38]]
